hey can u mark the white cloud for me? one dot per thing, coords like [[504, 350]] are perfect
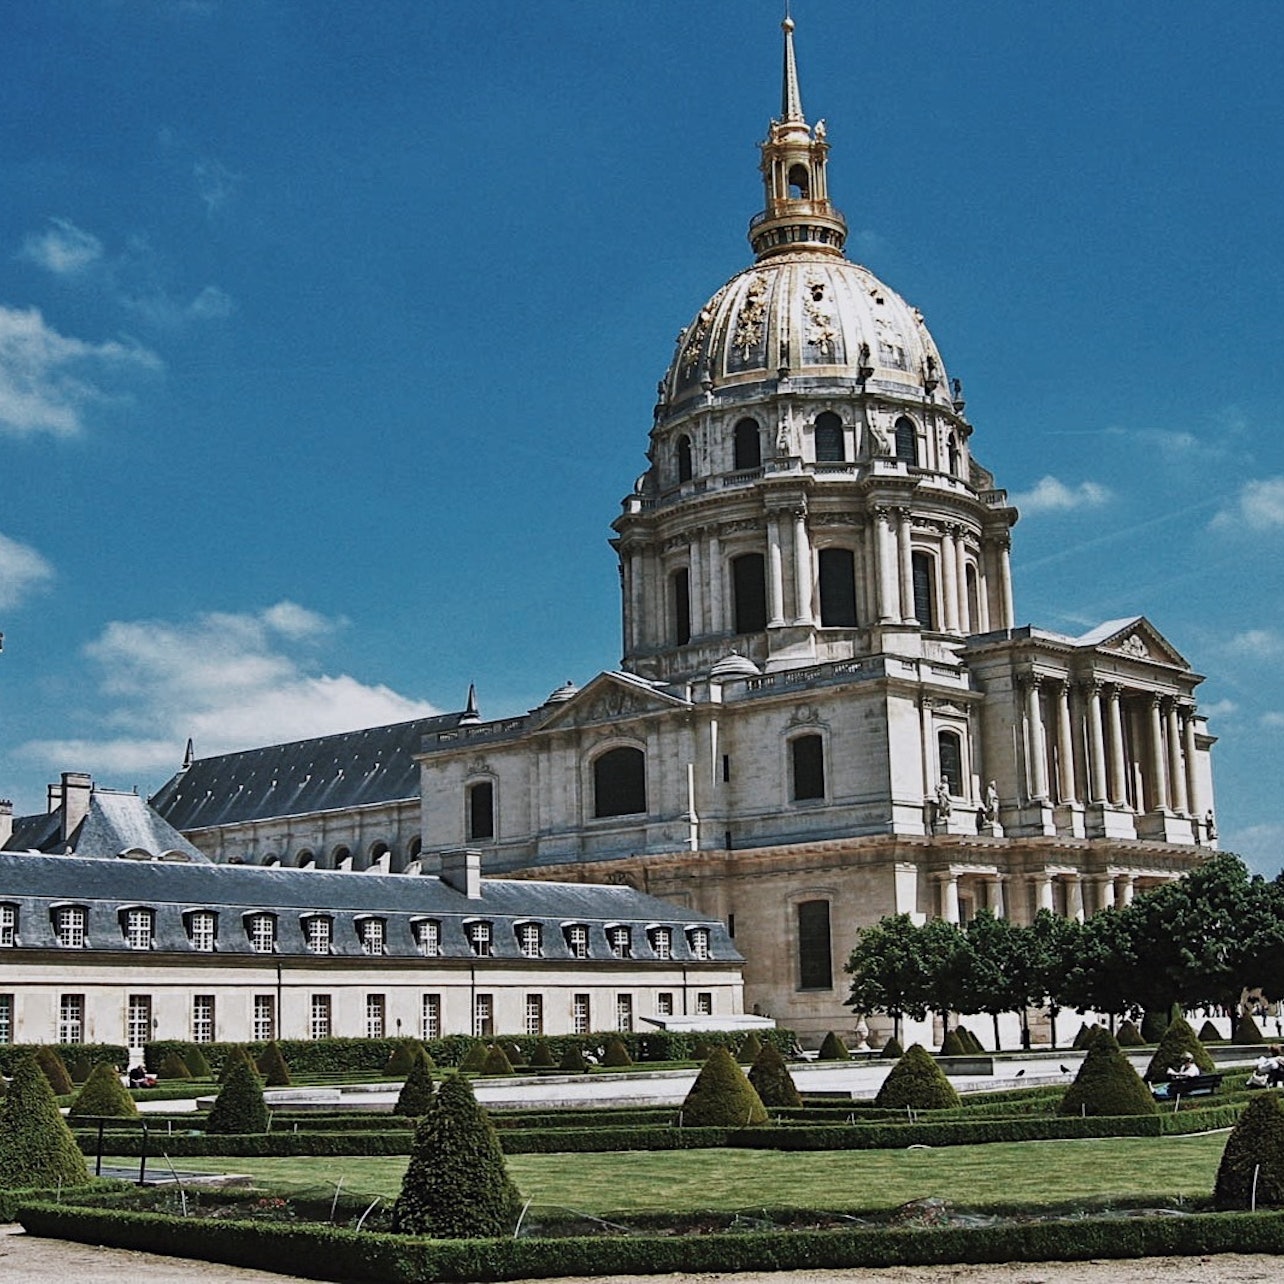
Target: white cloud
[[22, 571], [1259, 506], [215, 183], [1273, 720], [1261, 846], [62, 248], [1049, 495], [228, 680], [212, 304], [48, 380], [1256, 644], [1219, 709]]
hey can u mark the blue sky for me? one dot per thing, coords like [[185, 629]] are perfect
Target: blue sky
[[329, 335]]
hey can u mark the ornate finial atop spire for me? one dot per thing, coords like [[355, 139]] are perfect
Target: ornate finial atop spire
[[790, 95], [189, 754], [470, 714]]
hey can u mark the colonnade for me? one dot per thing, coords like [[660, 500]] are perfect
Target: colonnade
[[1006, 895]]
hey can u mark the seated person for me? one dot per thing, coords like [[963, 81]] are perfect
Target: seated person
[[1187, 1069], [139, 1078]]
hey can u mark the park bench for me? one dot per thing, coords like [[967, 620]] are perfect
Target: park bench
[[1196, 1085]]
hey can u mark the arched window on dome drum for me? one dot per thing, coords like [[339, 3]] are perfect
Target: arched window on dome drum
[[682, 606], [956, 459], [799, 183], [747, 445], [807, 760], [906, 441], [749, 593], [924, 590], [481, 810], [619, 783], [684, 458], [830, 448], [837, 588], [949, 755], [973, 599]]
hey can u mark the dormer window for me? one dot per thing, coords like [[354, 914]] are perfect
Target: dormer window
[[620, 939], [317, 932], [698, 939], [428, 937], [371, 933], [8, 925], [69, 926], [480, 940], [661, 942], [261, 931], [202, 929], [139, 924], [530, 940], [577, 940]]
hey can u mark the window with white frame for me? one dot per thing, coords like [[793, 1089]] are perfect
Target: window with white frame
[[661, 942], [261, 929], [263, 1028], [664, 1003], [6, 1018], [317, 932], [483, 1016], [371, 931], [320, 1025], [577, 940], [699, 940], [376, 1016], [534, 1016], [202, 1018], [581, 1014], [138, 1020], [430, 1024], [8, 925], [69, 928], [530, 940], [428, 937], [202, 929], [704, 1003], [621, 940], [138, 930], [71, 1018], [624, 1012], [479, 939]]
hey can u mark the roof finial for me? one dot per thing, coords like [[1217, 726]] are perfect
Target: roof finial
[[790, 94], [189, 754], [470, 713]]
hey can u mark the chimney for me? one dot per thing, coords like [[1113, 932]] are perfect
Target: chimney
[[76, 789], [6, 821], [461, 869]]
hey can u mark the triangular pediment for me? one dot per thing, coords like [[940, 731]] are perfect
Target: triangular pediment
[[1136, 638], [611, 697]]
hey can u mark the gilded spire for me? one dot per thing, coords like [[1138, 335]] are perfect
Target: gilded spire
[[790, 95]]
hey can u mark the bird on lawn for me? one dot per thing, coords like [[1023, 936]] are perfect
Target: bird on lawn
[[1065, 1069], [1018, 1074]]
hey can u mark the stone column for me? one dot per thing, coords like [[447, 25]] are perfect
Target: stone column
[[1176, 776], [1005, 583], [1129, 890], [802, 568], [885, 567], [950, 581], [696, 600], [1037, 773], [966, 623], [775, 575], [905, 546], [1159, 786], [982, 598], [950, 897], [1194, 803], [1106, 893], [1096, 747], [998, 902], [633, 595], [1043, 891], [1074, 897], [1065, 745], [1118, 788], [714, 573]]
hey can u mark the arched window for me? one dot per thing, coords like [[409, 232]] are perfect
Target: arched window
[[830, 448], [619, 782], [956, 459], [906, 441], [924, 590], [684, 458], [807, 760], [973, 622], [799, 183], [837, 588], [749, 593], [747, 445], [949, 754], [481, 809], [682, 606]]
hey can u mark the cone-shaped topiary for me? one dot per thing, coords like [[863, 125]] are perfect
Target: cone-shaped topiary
[[1153, 1025], [1107, 1084], [36, 1146], [1246, 1030], [832, 1048], [750, 1049], [475, 1059], [616, 1053], [1257, 1139], [1128, 1036], [771, 1079], [271, 1065], [952, 1045], [1178, 1039], [401, 1060], [235, 1054], [974, 1045], [417, 1092], [456, 1185], [892, 1049], [918, 1082], [497, 1061], [80, 1070], [573, 1059], [197, 1066], [513, 1053], [1081, 1040], [542, 1057], [173, 1067], [701, 1050], [722, 1097], [55, 1070], [239, 1106], [1208, 1033], [103, 1094]]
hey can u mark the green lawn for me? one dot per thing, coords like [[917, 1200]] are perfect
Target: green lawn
[[1025, 1172]]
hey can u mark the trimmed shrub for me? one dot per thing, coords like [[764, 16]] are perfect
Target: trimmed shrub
[[173, 1067], [972, 1046], [573, 1059], [237, 1053], [701, 1050], [1084, 1037], [36, 1146], [832, 1048], [1107, 1084], [750, 1049], [239, 1106], [55, 1070], [1257, 1139], [401, 1060], [1153, 1025], [90, 1053], [271, 1065], [1178, 1039], [456, 1185], [722, 1097], [542, 1057], [616, 1054], [103, 1094], [1128, 1036], [197, 1066], [475, 1059], [918, 1082], [892, 1049], [497, 1061], [1246, 1030], [513, 1053], [952, 1045], [1207, 1033], [771, 1079], [80, 1070], [417, 1092]]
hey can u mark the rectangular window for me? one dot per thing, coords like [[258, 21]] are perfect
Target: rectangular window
[[815, 963], [664, 1003], [577, 940], [662, 942], [530, 940], [376, 1022], [320, 1025], [430, 1027], [837, 575], [69, 926], [479, 939], [731, 926], [138, 931], [484, 1016], [699, 938], [808, 755], [202, 1018], [317, 931], [138, 1020], [372, 936], [704, 1003], [726, 768], [481, 810], [428, 938], [581, 1020], [8, 925], [262, 932], [534, 1022], [682, 606], [71, 1018], [621, 942], [6, 1018], [624, 1012], [749, 593], [202, 927], [264, 1026]]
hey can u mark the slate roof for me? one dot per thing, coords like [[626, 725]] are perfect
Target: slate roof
[[327, 773], [115, 823]]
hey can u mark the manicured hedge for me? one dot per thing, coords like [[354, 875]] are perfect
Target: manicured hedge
[[93, 1053], [323, 1252]]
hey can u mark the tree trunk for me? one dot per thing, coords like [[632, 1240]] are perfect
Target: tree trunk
[[998, 1047]]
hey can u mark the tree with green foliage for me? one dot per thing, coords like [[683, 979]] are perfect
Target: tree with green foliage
[[55, 1070], [36, 1146], [456, 1185], [722, 1097], [1052, 944], [173, 1067], [239, 1106], [1107, 1084], [497, 1061], [105, 1095], [1178, 1040], [197, 1066], [889, 971], [750, 1049], [573, 1059], [542, 1057], [474, 1060], [271, 1065], [1251, 1172], [771, 1079], [417, 1092], [994, 969], [918, 1082], [616, 1053], [832, 1048]]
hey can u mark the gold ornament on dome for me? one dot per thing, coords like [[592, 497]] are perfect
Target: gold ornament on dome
[[699, 332], [752, 313], [820, 332]]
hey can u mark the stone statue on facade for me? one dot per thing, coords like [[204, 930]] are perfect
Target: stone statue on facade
[[991, 802], [943, 802]]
